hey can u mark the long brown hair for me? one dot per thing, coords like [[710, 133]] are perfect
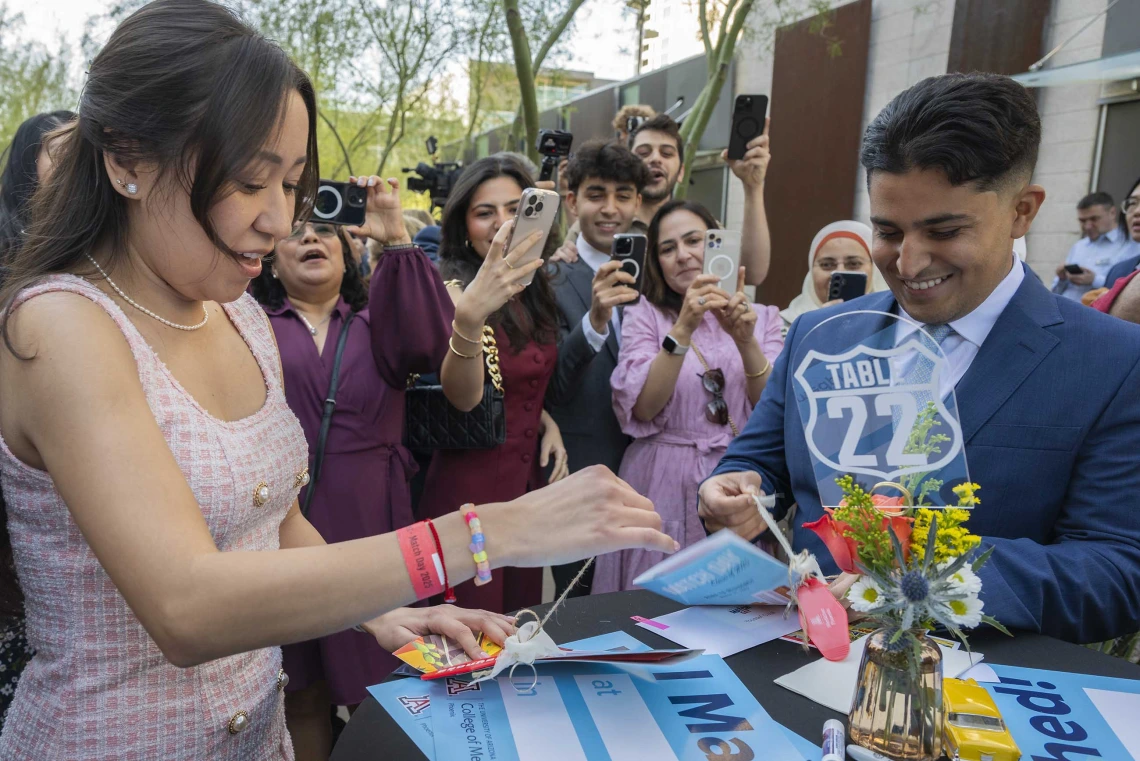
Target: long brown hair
[[186, 85], [534, 314], [656, 290]]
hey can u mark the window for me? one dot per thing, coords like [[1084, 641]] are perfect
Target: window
[[976, 721]]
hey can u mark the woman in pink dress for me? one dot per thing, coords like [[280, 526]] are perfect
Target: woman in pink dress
[[693, 363], [149, 461]]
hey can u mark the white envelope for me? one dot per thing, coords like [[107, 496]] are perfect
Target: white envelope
[[832, 683]]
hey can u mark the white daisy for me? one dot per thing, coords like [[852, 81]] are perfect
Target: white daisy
[[966, 612], [866, 596], [964, 580]]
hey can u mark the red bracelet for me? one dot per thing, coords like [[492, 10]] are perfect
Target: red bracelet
[[449, 594], [424, 566]]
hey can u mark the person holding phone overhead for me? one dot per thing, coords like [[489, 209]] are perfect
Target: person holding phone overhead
[[488, 288], [843, 246], [694, 360]]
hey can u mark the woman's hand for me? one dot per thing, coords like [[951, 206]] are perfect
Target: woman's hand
[[703, 295], [738, 318], [552, 445], [588, 513], [500, 278], [383, 217], [397, 628]]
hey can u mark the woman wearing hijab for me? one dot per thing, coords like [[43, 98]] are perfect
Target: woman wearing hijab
[[840, 247]]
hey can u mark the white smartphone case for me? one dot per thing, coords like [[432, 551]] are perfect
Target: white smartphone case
[[722, 257]]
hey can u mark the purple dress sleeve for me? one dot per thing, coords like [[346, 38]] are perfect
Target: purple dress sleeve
[[411, 316], [640, 344]]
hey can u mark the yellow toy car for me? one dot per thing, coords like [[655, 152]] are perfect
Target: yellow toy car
[[973, 729]]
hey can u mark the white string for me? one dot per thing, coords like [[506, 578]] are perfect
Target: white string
[[800, 565]]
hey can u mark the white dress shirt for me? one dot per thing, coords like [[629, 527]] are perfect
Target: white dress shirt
[[595, 259], [961, 346], [1097, 255]]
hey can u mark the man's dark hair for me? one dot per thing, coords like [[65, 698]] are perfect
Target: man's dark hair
[[976, 128], [662, 123], [1099, 198], [606, 160]]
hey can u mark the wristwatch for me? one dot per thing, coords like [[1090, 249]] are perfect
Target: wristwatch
[[672, 346]]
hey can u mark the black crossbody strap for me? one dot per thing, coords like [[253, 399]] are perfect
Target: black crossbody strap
[[326, 416]]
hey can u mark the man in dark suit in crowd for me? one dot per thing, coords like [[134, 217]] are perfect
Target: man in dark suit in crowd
[[1048, 391], [605, 183]]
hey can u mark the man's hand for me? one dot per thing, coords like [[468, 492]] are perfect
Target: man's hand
[[611, 289], [567, 252], [1085, 278], [726, 502], [753, 168]]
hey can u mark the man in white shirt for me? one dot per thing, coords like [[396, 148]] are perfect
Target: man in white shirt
[[605, 184], [1047, 391], [1102, 245]]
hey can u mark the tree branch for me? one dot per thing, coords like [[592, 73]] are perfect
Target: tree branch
[[339, 142], [703, 14], [525, 73], [556, 32]]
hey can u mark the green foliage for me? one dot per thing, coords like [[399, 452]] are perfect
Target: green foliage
[[35, 78]]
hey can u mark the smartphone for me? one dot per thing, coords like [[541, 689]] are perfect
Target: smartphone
[[722, 258], [847, 285], [1073, 269], [629, 249], [538, 209], [748, 114], [339, 203]]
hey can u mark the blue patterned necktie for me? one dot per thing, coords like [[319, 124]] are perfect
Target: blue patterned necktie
[[923, 370]]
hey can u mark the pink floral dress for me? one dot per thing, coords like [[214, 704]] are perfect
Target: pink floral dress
[[98, 686]]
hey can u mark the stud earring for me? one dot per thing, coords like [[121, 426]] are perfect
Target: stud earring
[[273, 272], [132, 188]]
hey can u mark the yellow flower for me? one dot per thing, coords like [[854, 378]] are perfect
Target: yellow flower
[[953, 539], [966, 496]]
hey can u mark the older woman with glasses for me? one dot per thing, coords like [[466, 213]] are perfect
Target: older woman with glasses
[[693, 363]]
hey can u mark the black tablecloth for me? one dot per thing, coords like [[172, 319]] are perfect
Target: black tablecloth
[[373, 734]]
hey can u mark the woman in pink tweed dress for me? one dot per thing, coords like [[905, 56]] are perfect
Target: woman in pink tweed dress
[[149, 463]]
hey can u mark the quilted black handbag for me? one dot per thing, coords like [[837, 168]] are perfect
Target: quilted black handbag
[[432, 422]]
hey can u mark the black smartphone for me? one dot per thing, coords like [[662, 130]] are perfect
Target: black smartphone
[[339, 203], [629, 249], [847, 285], [1073, 269], [747, 123]]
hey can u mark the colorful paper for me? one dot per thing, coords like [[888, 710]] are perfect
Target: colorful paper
[[586, 711], [721, 569], [436, 652], [1054, 715]]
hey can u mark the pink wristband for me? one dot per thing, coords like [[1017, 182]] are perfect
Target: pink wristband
[[421, 558]]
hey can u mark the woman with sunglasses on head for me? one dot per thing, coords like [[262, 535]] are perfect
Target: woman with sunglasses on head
[[312, 292], [693, 363]]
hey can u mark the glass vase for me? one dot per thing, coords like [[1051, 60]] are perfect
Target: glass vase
[[898, 697]]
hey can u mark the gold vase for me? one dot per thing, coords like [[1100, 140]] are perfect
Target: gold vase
[[898, 698]]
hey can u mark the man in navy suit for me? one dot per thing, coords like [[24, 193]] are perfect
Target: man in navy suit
[[1048, 391]]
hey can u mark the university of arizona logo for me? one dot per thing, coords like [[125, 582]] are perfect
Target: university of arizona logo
[[415, 704], [457, 686]]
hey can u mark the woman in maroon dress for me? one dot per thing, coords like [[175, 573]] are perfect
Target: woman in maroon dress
[[487, 291], [308, 294]]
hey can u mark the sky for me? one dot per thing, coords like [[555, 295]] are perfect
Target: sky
[[601, 27]]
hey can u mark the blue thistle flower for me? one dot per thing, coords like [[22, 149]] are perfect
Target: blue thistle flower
[[915, 586]]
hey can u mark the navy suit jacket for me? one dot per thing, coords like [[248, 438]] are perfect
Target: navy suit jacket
[[1120, 269], [1050, 413]]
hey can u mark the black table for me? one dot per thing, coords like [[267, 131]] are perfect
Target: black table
[[373, 734]]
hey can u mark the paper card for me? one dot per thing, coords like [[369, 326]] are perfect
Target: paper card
[[832, 683], [723, 630], [1090, 716], [408, 701], [435, 652], [721, 569], [578, 711]]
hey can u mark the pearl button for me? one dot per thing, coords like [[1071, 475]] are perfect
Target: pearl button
[[239, 723], [261, 494], [282, 680]]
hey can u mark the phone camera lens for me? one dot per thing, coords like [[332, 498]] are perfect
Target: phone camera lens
[[538, 206], [328, 201], [355, 196]]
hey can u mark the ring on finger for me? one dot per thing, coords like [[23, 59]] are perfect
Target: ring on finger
[[509, 265], [701, 301]]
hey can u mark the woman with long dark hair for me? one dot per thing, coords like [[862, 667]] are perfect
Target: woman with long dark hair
[[488, 290], [312, 292], [27, 163], [694, 360], [149, 460]]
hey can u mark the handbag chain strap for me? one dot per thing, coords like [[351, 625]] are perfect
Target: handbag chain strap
[[490, 352]]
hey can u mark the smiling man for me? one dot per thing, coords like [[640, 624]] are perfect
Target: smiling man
[[1048, 391]]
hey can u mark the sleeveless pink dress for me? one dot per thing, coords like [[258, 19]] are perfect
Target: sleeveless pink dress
[[98, 686]]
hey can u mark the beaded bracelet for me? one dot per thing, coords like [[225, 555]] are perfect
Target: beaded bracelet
[[477, 546]]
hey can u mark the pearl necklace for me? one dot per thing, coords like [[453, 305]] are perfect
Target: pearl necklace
[[144, 310]]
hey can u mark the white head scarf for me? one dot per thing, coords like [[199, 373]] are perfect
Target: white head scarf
[[808, 301]]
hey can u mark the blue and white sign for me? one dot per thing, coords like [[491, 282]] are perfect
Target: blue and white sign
[[1055, 716]]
